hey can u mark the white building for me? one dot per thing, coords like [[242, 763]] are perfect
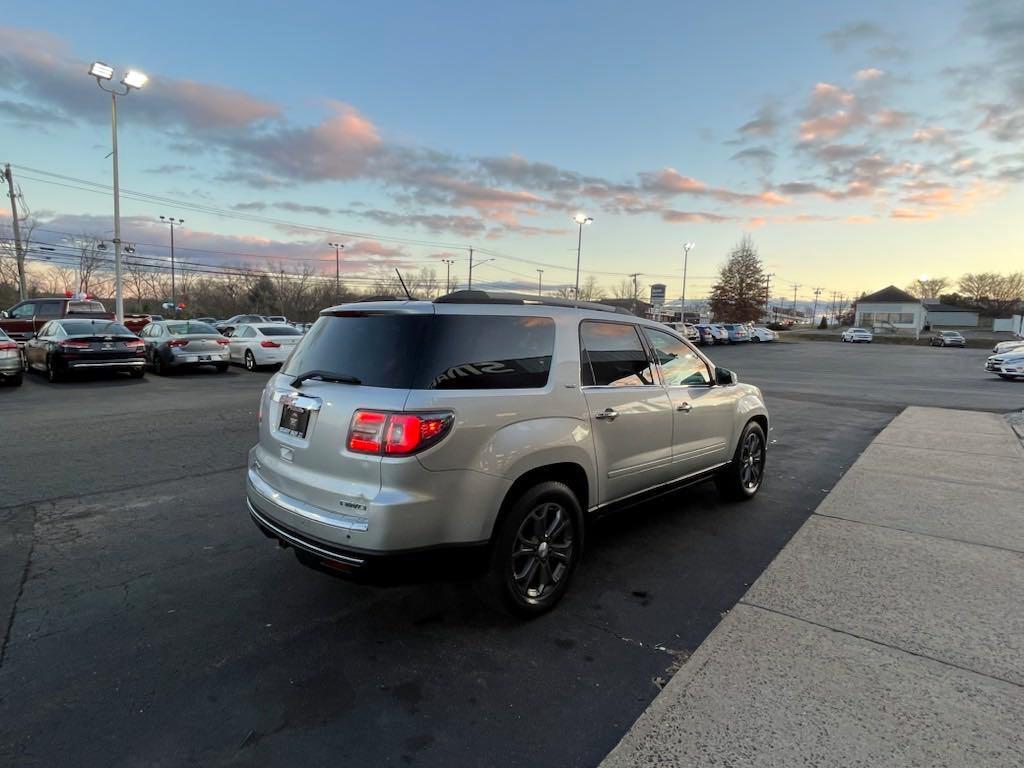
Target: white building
[[944, 315], [891, 310]]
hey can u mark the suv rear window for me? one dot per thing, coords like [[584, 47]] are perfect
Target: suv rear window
[[449, 352]]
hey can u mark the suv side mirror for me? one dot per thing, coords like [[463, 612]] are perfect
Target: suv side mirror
[[724, 377], [3, 314]]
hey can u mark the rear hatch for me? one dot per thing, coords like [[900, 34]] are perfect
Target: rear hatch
[[304, 429], [102, 348]]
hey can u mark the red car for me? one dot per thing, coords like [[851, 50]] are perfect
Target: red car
[[23, 321]]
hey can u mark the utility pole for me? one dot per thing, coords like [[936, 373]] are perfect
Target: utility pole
[[687, 247], [540, 283], [174, 293], [814, 312], [19, 252], [834, 294], [795, 286], [768, 296], [338, 247], [470, 287], [448, 277], [635, 275]]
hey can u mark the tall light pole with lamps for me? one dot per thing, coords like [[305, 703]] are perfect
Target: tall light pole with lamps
[[174, 290], [131, 79], [687, 247], [581, 219], [448, 275], [338, 247], [540, 283]]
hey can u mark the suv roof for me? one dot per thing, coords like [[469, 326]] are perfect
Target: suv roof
[[489, 297]]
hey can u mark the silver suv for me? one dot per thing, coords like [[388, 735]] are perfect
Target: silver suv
[[492, 426]]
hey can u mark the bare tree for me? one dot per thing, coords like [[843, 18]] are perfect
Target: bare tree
[[992, 292], [928, 288]]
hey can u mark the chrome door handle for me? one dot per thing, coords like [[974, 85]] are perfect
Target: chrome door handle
[[608, 414], [684, 407]]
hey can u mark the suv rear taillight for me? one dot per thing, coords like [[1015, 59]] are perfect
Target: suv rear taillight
[[269, 344], [396, 434]]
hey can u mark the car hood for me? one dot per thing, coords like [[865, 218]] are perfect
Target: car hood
[[1014, 357]]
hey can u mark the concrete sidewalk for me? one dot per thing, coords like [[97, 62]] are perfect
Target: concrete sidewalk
[[888, 632]]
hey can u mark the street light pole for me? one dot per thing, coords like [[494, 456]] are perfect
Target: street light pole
[[337, 269], [580, 219], [131, 79], [448, 275], [687, 247], [174, 290], [540, 283]]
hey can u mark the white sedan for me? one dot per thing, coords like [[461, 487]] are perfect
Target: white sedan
[[856, 335], [1006, 346], [1007, 365], [256, 344], [762, 334]]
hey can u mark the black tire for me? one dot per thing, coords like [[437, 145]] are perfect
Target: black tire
[[250, 360], [744, 476], [53, 373], [756, 339], [16, 379], [544, 525], [159, 367], [138, 373], [1007, 376], [221, 367]]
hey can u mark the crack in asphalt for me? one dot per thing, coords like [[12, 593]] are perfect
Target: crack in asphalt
[[21, 589]]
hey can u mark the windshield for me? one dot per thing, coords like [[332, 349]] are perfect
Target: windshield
[[189, 327], [99, 327], [279, 330], [430, 351]]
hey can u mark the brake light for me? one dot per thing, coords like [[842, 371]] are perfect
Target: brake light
[[135, 343], [8, 345], [177, 343], [269, 344], [396, 434], [72, 344], [223, 342]]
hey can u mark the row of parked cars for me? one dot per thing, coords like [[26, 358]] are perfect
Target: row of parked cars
[[708, 334], [82, 336]]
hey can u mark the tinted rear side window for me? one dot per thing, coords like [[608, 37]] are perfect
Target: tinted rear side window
[[487, 352], [449, 352], [612, 355]]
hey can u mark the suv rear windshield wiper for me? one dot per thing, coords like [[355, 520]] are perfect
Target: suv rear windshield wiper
[[340, 378]]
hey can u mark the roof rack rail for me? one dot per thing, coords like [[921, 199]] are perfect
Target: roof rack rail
[[491, 297], [378, 297]]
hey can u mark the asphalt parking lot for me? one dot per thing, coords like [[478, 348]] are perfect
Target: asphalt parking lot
[[147, 622]]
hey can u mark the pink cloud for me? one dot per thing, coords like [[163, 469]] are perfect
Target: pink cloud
[[906, 213], [890, 119], [828, 127], [870, 73]]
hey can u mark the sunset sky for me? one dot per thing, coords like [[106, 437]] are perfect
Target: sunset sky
[[859, 143]]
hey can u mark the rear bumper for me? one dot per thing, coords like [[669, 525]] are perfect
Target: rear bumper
[[10, 366], [183, 361], [416, 509], [124, 365]]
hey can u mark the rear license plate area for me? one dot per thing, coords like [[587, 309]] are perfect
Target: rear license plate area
[[294, 421]]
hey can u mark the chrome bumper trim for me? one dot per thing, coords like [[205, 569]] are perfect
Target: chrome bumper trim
[[335, 520], [110, 364], [300, 543]]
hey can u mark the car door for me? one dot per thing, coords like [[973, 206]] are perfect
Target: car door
[[32, 355], [20, 326], [703, 413], [630, 412]]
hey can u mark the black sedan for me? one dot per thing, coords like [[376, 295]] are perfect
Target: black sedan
[[75, 344], [172, 344]]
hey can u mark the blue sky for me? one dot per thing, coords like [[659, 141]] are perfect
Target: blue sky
[[858, 143]]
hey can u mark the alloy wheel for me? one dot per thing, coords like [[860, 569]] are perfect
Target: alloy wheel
[[250, 361], [752, 461], [543, 551]]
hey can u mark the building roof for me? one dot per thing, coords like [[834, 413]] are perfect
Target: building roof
[[938, 306], [890, 295]]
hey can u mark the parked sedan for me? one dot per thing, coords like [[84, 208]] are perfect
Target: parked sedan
[[738, 332], [948, 339], [73, 344], [256, 344], [1008, 365], [233, 322], [857, 335], [717, 333], [174, 344], [758, 334], [689, 332], [1006, 346], [10, 360]]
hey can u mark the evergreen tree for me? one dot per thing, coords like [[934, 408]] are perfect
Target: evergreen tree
[[739, 294]]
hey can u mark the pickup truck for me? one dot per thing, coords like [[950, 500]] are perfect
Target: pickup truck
[[24, 319]]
